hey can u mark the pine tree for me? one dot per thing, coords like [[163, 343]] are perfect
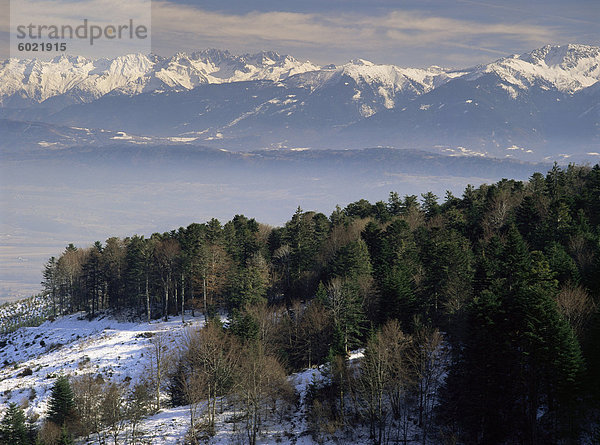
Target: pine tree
[[50, 282], [138, 261], [61, 406], [94, 279], [13, 428]]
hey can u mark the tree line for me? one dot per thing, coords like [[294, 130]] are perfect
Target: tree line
[[506, 277]]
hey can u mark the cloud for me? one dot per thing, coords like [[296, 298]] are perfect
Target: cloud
[[540, 12], [171, 22], [59, 11], [415, 37]]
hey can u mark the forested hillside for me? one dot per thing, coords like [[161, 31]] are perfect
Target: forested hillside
[[494, 293]]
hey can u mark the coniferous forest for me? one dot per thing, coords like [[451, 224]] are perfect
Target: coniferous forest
[[478, 315]]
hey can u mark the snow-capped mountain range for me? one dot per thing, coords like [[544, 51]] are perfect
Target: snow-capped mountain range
[[83, 80], [568, 68], [521, 102]]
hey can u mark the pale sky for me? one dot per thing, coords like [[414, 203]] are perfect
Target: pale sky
[[451, 33]]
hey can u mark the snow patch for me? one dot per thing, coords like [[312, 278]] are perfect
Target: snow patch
[[366, 111]]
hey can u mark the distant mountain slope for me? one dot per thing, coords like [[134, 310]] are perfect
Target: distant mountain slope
[[568, 69], [537, 106], [492, 117]]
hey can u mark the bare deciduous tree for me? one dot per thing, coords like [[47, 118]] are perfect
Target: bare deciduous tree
[[261, 386], [384, 381], [576, 306], [158, 364], [138, 407], [211, 357], [113, 411], [87, 394]]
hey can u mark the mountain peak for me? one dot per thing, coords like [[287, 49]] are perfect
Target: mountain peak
[[566, 68], [212, 54], [566, 56], [361, 62], [25, 82]]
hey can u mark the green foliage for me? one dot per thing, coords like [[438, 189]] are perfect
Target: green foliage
[[13, 428], [243, 325], [519, 354], [65, 437], [250, 285], [345, 305], [562, 264], [447, 259], [352, 261], [61, 406]]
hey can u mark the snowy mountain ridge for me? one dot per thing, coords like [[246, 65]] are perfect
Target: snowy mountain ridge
[[24, 82], [567, 68]]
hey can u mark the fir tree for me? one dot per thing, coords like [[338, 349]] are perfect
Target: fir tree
[[62, 406], [13, 428]]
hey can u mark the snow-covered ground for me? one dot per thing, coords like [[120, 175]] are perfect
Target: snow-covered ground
[[32, 357], [74, 346]]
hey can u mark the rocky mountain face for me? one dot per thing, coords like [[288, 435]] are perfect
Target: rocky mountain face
[[532, 106]]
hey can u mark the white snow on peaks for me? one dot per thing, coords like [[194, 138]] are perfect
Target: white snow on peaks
[[376, 87], [393, 78], [567, 68], [31, 81], [361, 62]]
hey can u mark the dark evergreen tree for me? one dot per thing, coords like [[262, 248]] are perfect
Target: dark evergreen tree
[[113, 269], [93, 277], [448, 262], [51, 283], [430, 205], [138, 280], [166, 255], [304, 235], [61, 406], [394, 204], [243, 325], [520, 356], [359, 209], [240, 238], [562, 264], [13, 428], [250, 285]]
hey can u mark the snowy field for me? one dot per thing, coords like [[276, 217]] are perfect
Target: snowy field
[[31, 358]]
